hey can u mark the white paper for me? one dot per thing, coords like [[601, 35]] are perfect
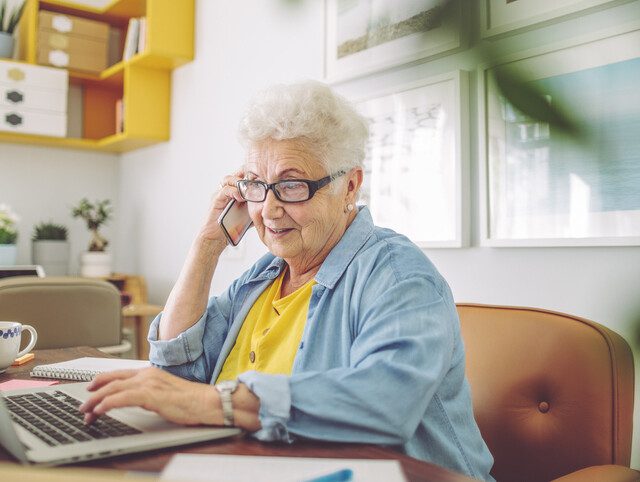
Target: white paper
[[97, 364], [245, 468]]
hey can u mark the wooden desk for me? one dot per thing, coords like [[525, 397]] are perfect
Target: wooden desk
[[415, 470]]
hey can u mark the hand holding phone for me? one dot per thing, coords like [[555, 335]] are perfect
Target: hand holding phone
[[235, 221]]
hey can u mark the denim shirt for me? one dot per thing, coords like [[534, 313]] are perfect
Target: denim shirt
[[380, 361]]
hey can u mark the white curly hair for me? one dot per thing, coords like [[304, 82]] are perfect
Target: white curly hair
[[310, 112]]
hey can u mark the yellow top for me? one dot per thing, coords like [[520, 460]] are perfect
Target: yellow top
[[269, 338]]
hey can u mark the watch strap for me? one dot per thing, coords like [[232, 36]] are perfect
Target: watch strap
[[227, 408], [226, 389]]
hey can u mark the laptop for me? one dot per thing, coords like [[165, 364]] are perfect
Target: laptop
[[44, 426], [22, 270]]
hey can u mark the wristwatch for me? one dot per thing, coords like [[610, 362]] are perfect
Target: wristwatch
[[225, 389]]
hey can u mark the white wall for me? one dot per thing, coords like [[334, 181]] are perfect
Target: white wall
[[162, 192], [42, 184], [241, 46]]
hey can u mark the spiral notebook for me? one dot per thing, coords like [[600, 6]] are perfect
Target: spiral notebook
[[84, 369]]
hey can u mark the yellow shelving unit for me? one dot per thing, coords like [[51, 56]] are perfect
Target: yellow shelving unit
[[143, 82]]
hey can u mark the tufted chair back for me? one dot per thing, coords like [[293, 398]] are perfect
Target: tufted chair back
[[552, 393]]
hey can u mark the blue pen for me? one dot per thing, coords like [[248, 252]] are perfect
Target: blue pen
[[344, 475]]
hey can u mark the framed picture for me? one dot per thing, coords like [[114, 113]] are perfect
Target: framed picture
[[416, 171], [539, 188], [364, 36], [502, 16]]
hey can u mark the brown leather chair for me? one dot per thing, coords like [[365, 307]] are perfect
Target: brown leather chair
[[552, 393], [66, 311]]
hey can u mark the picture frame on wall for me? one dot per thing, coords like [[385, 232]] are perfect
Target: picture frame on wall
[[366, 36], [541, 188], [499, 17], [416, 168]]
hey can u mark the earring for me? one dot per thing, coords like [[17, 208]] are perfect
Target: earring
[[349, 208]]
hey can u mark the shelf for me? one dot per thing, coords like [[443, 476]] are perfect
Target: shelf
[[117, 10], [116, 143], [142, 82], [170, 27]]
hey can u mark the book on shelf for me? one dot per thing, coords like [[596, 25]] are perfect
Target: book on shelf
[[119, 116], [86, 368], [142, 34], [131, 39]]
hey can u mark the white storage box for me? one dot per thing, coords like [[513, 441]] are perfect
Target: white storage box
[[36, 122], [27, 97], [33, 99]]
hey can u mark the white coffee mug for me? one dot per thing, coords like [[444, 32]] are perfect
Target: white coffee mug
[[10, 336]]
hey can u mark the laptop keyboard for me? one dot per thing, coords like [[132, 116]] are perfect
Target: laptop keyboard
[[54, 418]]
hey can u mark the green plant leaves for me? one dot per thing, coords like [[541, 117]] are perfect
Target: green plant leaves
[[14, 16], [49, 231]]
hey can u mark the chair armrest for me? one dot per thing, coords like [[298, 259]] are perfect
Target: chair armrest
[[610, 473]]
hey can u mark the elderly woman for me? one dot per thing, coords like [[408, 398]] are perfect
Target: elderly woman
[[344, 331]]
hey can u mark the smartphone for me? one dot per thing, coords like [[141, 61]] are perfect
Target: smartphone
[[235, 221]]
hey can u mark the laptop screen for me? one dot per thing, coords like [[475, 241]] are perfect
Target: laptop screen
[[26, 270]]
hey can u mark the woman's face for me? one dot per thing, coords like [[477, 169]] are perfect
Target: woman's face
[[302, 233]]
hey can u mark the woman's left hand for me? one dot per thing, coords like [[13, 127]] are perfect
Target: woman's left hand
[[171, 397]]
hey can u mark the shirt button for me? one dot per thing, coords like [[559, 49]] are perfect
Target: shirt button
[[252, 356]]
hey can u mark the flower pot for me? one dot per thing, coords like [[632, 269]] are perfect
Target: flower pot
[[6, 45], [8, 254], [52, 255], [94, 264]]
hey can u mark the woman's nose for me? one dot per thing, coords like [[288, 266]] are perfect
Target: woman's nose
[[272, 207]]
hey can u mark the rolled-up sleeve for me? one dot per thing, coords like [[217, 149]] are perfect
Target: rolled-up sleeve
[[185, 348], [275, 404], [194, 352]]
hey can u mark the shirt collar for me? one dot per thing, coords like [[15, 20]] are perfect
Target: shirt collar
[[340, 256], [343, 253]]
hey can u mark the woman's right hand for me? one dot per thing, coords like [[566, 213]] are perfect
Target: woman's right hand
[[211, 229]]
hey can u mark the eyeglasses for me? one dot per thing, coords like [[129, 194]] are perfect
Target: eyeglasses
[[287, 191]]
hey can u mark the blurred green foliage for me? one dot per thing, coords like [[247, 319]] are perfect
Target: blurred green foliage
[[49, 231], [525, 96]]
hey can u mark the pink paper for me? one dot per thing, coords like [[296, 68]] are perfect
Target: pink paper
[[16, 384]]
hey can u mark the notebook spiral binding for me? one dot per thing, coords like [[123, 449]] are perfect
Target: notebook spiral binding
[[65, 374]]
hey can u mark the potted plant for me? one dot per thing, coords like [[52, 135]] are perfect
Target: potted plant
[[9, 18], [50, 248], [96, 261], [8, 235]]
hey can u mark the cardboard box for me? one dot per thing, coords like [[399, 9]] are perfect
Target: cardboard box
[[72, 42], [75, 26], [85, 61]]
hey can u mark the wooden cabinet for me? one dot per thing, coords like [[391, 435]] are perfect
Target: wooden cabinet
[[142, 82], [138, 313]]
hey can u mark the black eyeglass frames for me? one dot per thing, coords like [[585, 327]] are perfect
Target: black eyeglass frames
[[288, 191]]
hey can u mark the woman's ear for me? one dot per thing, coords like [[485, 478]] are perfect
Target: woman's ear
[[354, 183]]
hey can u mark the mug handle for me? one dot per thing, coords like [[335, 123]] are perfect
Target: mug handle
[[32, 342]]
